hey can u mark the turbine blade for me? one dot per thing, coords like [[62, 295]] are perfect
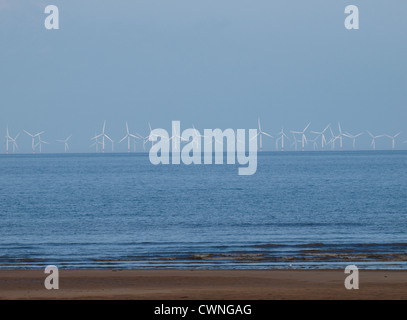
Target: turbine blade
[[123, 138], [306, 127], [255, 136]]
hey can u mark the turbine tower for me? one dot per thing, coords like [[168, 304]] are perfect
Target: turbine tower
[[15, 145], [333, 139], [261, 133], [314, 143], [353, 137], [197, 136], [393, 139], [103, 135], [96, 143], [373, 143], [65, 143], [176, 140], [281, 137], [33, 136], [323, 138], [303, 137], [10, 139], [147, 138], [128, 136], [340, 136], [295, 142], [40, 142]]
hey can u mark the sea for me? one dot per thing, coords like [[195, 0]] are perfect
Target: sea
[[300, 210]]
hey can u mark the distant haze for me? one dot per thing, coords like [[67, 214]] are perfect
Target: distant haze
[[211, 63]]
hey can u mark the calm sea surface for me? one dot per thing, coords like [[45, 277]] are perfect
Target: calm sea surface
[[304, 209]]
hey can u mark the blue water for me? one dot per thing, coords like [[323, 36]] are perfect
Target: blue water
[[307, 209]]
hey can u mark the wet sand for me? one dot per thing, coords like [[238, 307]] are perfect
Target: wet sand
[[203, 284]]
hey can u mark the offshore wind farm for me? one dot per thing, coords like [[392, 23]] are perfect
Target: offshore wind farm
[[331, 137], [264, 138]]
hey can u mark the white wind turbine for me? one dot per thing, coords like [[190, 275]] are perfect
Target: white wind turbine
[[40, 142], [261, 133], [393, 138], [33, 136], [96, 143], [281, 137], [303, 137], [65, 142], [196, 136], [147, 138], [128, 136], [10, 139], [314, 143], [277, 141], [15, 145], [333, 139], [323, 138], [373, 143], [177, 140], [295, 142], [340, 137], [353, 137], [103, 135]]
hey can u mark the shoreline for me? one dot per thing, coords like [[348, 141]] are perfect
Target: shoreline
[[204, 284]]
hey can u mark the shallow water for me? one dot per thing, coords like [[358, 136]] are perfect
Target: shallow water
[[307, 209]]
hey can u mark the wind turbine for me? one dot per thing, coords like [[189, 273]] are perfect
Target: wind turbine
[[281, 137], [373, 143], [128, 136], [277, 140], [96, 143], [40, 142], [314, 142], [147, 138], [103, 135], [261, 133], [323, 138], [175, 137], [10, 139], [333, 139], [303, 137], [353, 137], [196, 136], [65, 142], [295, 143], [33, 145], [339, 136], [15, 145], [393, 138]]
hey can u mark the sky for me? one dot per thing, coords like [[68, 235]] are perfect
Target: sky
[[211, 63]]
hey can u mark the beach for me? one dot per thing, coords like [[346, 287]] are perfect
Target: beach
[[203, 284]]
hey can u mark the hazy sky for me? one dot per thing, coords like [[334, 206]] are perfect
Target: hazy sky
[[213, 63]]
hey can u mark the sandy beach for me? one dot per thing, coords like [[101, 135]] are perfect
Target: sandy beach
[[203, 284]]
